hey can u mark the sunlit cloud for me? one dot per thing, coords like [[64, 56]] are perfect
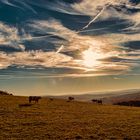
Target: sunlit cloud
[[102, 54], [9, 36], [33, 58], [117, 38], [53, 27], [94, 53], [106, 9]]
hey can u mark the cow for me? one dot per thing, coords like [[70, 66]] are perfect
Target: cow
[[51, 99], [100, 102], [70, 99], [97, 101], [34, 98]]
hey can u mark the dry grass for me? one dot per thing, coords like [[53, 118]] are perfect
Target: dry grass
[[59, 119]]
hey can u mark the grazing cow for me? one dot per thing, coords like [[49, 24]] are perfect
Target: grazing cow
[[34, 98], [97, 101], [94, 100], [100, 102], [70, 98], [51, 99]]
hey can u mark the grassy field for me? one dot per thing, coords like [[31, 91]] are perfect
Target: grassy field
[[58, 119]]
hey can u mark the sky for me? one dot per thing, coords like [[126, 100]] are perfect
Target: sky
[[57, 47]]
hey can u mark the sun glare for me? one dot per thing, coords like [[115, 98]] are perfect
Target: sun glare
[[90, 58]]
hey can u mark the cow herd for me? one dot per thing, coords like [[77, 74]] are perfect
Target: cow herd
[[37, 98]]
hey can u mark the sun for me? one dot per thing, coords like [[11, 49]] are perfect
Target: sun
[[90, 58]]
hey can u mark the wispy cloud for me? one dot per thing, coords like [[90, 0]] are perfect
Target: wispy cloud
[[9, 36], [105, 9], [109, 55], [51, 26], [103, 52], [19, 4], [33, 58]]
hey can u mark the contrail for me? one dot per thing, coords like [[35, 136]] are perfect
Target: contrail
[[85, 27], [90, 30], [59, 49], [96, 17]]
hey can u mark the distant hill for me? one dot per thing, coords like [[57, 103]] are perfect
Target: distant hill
[[4, 93], [135, 103], [122, 98], [107, 97]]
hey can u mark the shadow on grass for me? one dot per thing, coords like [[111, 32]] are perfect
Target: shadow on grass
[[25, 105]]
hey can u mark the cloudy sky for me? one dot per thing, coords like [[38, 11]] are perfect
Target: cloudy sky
[[50, 47]]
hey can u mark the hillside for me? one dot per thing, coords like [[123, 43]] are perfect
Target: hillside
[[4, 93], [61, 120], [123, 98], [107, 97]]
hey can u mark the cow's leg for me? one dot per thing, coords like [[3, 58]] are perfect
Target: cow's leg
[[30, 100], [37, 100]]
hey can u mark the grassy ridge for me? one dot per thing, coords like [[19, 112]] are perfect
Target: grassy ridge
[[59, 119]]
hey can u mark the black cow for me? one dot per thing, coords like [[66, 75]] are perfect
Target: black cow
[[34, 98], [97, 101], [70, 99]]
